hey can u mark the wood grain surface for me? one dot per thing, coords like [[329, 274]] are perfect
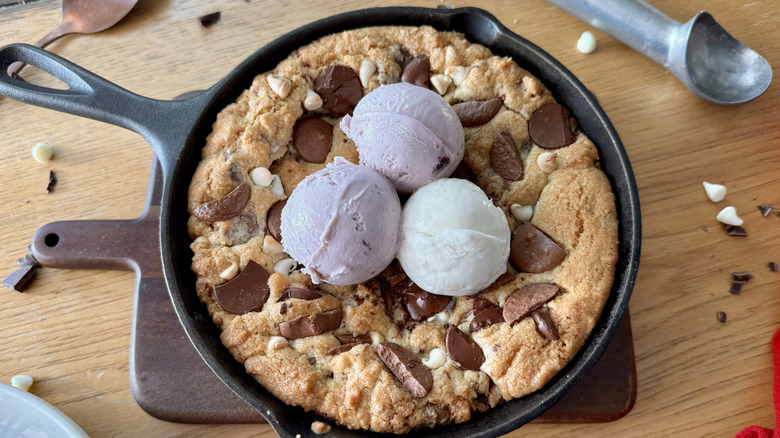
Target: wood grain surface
[[696, 376]]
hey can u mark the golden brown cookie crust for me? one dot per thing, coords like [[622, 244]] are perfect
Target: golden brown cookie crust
[[574, 205]]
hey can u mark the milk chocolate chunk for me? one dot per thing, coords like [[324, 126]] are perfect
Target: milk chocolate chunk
[[532, 251], [226, 207], [505, 158], [335, 351], [477, 112], [274, 220], [527, 299], [299, 293], [552, 127], [485, 318], [544, 323], [406, 367], [311, 325], [463, 350], [417, 72], [339, 88], [20, 279], [312, 139], [246, 292], [421, 304], [353, 339]]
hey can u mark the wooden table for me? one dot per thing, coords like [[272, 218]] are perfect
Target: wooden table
[[696, 375]]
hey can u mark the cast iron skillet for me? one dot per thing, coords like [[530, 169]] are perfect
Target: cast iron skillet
[[176, 130]]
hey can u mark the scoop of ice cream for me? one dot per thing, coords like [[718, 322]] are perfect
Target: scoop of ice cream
[[454, 241], [342, 223], [407, 133]]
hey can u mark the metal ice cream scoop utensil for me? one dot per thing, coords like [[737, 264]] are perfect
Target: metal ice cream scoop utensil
[[705, 57], [84, 16]]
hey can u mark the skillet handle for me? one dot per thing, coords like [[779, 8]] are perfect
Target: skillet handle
[[164, 124]]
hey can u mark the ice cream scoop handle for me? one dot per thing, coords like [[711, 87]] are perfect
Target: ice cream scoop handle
[[633, 22]]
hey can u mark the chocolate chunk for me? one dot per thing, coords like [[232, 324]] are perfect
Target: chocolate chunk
[[532, 251], [274, 220], [341, 349], [742, 276], [406, 367], [552, 127], [734, 230], [421, 304], [477, 112], [505, 158], [772, 266], [353, 339], [20, 279], [210, 19], [505, 278], [28, 260], [53, 181], [311, 325], [463, 350], [340, 89], [299, 293], [544, 323], [312, 139], [226, 207], [765, 209], [417, 72], [246, 292], [485, 318], [527, 299], [721, 316]]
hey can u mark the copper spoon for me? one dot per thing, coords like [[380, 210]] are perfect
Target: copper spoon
[[83, 16]]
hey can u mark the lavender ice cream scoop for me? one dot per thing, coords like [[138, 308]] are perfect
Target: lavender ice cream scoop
[[407, 133], [342, 223]]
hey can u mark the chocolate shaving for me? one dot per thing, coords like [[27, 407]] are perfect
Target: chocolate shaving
[[52, 182], [734, 230], [210, 19]]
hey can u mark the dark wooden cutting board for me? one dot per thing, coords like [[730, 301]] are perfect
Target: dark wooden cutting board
[[171, 382]]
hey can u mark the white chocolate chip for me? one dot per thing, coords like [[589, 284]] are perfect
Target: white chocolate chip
[[442, 317], [523, 213], [435, 359], [376, 338], [457, 73], [22, 382], [42, 152], [715, 192], [271, 246], [313, 101], [281, 86], [276, 186], [230, 272], [285, 266], [451, 57], [367, 69], [729, 216], [441, 83], [547, 161], [586, 43], [277, 343], [261, 176]]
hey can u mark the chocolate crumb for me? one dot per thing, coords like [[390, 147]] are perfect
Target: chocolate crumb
[[52, 182], [703, 228], [741, 276], [312, 360], [721, 316], [736, 287], [772, 266], [210, 19], [735, 231]]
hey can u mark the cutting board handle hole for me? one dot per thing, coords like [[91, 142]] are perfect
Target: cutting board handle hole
[[51, 240]]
